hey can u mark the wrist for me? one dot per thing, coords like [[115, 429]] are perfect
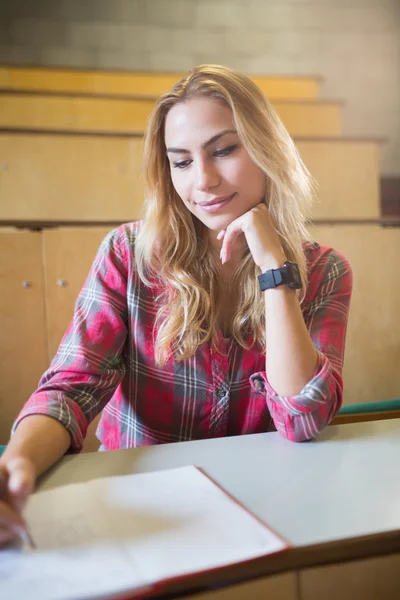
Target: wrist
[[273, 262], [288, 275], [14, 458]]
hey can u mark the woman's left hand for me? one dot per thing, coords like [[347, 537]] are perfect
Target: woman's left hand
[[261, 237]]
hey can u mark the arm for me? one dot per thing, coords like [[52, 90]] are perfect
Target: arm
[[292, 357], [304, 352], [37, 444], [304, 400], [40, 439], [88, 365], [82, 377]]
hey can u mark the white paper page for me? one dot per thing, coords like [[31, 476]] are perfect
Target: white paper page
[[185, 523], [129, 531], [63, 575]]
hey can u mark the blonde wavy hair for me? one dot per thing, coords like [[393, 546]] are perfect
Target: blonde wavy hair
[[172, 249]]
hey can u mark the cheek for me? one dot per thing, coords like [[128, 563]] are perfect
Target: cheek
[[181, 185], [260, 183], [176, 182], [248, 177], [257, 179]]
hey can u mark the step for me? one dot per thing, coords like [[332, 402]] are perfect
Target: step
[[140, 84], [92, 178], [126, 116]]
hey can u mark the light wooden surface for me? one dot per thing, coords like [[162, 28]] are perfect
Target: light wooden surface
[[68, 256], [70, 178], [89, 178], [129, 116], [276, 587], [23, 351], [311, 118], [373, 579], [347, 175], [360, 417], [372, 358], [136, 84]]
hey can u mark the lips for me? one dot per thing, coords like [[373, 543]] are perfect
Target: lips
[[216, 200]]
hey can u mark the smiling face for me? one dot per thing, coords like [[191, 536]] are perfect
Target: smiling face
[[210, 169]]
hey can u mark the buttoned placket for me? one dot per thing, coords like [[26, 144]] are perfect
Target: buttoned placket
[[221, 388]]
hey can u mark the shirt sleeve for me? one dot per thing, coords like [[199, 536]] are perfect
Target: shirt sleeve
[[303, 416], [89, 363]]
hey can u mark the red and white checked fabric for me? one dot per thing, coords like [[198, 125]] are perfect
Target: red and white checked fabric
[[105, 362]]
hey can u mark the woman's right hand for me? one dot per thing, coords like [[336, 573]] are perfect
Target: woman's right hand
[[17, 480]]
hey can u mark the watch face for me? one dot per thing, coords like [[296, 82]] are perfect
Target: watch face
[[295, 280]]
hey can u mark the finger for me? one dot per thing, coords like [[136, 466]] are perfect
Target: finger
[[231, 233], [10, 534], [10, 519], [221, 234], [6, 536], [20, 483]]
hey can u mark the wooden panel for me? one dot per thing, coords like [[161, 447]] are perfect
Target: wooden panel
[[143, 85], [372, 358], [86, 114], [70, 178], [74, 114], [373, 579], [64, 178], [311, 119], [23, 351], [282, 586], [381, 415], [347, 174], [68, 254]]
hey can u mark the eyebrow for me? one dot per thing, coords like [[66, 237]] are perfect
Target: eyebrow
[[215, 138]]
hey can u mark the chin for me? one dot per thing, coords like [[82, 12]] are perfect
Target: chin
[[218, 223]]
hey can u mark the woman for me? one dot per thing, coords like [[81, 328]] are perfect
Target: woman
[[215, 315]]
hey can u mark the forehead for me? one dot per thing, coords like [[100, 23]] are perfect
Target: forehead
[[195, 121]]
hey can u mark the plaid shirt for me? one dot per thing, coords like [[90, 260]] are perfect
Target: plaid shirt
[[106, 363]]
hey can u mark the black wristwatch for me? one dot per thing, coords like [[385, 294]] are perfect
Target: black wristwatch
[[288, 274]]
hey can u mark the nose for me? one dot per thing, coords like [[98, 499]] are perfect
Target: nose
[[207, 175]]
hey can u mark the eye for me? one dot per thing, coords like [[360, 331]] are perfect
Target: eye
[[225, 151], [182, 164]]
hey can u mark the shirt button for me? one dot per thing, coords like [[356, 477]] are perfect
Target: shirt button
[[259, 385], [220, 393]]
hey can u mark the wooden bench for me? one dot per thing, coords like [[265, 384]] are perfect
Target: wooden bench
[[129, 116], [84, 178], [143, 85]]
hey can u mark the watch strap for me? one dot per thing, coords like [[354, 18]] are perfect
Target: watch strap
[[271, 279], [288, 274]]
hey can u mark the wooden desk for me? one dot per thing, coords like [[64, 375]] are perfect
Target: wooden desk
[[335, 499]]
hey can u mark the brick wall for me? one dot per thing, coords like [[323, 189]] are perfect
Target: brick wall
[[353, 44]]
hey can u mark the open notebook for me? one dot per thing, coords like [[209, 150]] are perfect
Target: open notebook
[[130, 532]]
